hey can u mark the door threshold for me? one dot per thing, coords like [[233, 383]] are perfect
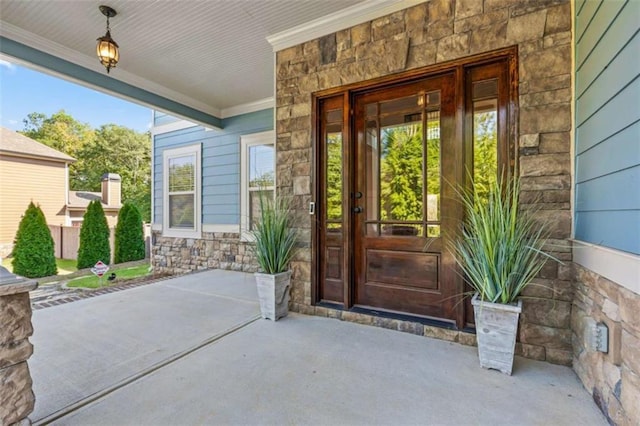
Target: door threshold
[[404, 317], [429, 321]]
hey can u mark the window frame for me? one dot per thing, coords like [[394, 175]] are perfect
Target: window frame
[[246, 142], [167, 155]]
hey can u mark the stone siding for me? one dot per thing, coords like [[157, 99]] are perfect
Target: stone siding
[[612, 378], [434, 32], [215, 250], [16, 395]]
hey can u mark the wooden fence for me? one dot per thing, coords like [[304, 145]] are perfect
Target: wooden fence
[[66, 240]]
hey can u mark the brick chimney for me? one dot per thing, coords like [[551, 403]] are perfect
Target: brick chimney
[[111, 189]]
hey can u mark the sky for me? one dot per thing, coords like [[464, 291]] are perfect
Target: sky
[[23, 91]]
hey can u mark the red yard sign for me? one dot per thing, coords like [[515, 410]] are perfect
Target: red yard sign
[[100, 268]]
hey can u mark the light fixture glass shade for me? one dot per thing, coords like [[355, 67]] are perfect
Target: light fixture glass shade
[[107, 51]]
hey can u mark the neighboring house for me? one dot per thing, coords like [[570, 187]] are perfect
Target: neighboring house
[[551, 86], [32, 171], [110, 198]]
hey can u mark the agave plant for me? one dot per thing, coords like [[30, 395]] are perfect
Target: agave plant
[[500, 249], [274, 235]]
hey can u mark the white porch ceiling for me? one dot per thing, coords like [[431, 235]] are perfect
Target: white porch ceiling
[[209, 55]]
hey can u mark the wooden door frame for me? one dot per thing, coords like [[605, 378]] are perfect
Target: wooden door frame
[[460, 67]]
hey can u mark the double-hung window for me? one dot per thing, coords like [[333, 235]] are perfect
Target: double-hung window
[[257, 169], [182, 181]]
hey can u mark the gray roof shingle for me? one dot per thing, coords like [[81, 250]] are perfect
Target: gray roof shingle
[[12, 142]]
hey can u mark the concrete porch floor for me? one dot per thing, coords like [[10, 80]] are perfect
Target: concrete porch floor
[[193, 350]]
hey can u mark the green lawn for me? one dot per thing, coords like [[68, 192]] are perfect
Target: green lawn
[[65, 266], [91, 281]]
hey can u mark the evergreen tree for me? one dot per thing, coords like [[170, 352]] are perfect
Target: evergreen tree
[[401, 166], [129, 243], [33, 251], [94, 237]]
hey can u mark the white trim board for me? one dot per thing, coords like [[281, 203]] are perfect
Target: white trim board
[[207, 227], [233, 229], [173, 127], [266, 103], [345, 18], [617, 266]]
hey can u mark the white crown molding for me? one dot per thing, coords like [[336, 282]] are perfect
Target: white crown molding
[[233, 111], [248, 107], [345, 18], [42, 44], [173, 126], [620, 267]]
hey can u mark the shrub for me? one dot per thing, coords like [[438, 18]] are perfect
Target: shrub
[[94, 237], [129, 243], [33, 251]]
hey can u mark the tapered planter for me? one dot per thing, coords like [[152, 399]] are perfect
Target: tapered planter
[[496, 331], [273, 293]]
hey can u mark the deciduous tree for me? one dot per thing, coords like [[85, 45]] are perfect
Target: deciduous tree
[[109, 149]]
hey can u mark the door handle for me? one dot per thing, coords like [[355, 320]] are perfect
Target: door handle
[[357, 209]]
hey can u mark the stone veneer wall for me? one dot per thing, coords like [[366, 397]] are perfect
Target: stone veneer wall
[[16, 395], [434, 32], [215, 250], [613, 378]]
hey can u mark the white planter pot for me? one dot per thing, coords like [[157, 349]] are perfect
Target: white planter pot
[[496, 331], [273, 293]]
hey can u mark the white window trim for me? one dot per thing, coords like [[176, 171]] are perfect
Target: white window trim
[[246, 141], [180, 152]]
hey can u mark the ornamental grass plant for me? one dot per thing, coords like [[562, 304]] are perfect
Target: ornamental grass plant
[[500, 247], [274, 234]]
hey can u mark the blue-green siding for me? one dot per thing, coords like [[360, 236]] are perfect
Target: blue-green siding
[[607, 176], [220, 164]]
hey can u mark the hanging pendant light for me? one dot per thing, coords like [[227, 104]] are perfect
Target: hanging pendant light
[[107, 48]]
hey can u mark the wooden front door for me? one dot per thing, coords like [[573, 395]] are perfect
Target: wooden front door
[[405, 155], [385, 206], [388, 158]]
